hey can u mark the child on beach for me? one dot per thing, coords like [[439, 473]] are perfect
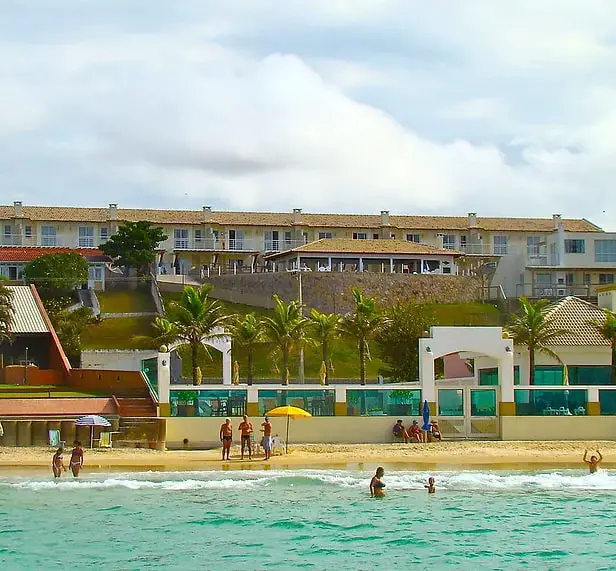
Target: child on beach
[[430, 486], [57, 463], [377, 488], [593, 463]]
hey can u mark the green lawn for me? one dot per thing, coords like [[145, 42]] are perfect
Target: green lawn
[[125, 301], [39, 391], [119, 333]]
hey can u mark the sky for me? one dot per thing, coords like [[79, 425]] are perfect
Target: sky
[[417, 107]]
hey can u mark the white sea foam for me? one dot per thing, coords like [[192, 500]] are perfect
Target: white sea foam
[[395, 480]]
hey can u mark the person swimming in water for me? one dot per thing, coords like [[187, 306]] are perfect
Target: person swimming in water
[[57, 463], [593, 463], [377, 488], [430, 486]]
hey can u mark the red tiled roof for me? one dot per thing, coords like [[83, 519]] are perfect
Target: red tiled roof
[[27, 254]]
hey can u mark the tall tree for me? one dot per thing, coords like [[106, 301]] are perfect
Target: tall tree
[[325, 329], [248, 335], [285, 329], [533, 328], [6, 312], [607, 329], [191, 319], [398, 339], [134, 246], [363, 325], [55, 274]]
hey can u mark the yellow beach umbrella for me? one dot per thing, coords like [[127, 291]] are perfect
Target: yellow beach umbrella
[[323, 372], [289, 412], [236, 373]]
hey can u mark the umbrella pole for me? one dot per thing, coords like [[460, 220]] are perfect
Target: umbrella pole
[[91, 436], [286, 442]]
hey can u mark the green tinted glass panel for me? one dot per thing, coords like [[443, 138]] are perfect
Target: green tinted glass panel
[[557, 402], [589, 375], [450, 402], [483, 403], [548, 375], [316, 402], [607, 399], [489, 377], [208, 403], [384, 402], [149, 368]]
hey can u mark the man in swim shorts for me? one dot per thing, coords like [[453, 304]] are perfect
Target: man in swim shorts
[[226, 437], [246, 431], [593, 463], [267, 438]]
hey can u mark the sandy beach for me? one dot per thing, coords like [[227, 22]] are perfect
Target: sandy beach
[[438, 455]]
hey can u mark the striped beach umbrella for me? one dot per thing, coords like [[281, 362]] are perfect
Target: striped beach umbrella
[[92, 420]]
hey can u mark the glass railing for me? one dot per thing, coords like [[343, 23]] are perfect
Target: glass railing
[[483, 402], [316, 402], [607, 401], [551, 402], [383, 402], [207, 403], [149, 368], [451, 402]]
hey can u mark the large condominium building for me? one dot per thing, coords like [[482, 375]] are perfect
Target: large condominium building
[[549, 257]]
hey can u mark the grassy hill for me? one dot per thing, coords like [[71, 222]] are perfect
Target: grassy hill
[[125, 332]]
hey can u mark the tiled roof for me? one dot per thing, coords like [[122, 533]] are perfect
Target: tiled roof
[[27, 254], [366, 247], [573, 314], [27, 316], [285, 219]]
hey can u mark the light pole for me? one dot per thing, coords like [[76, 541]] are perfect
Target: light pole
[[26, 368], [301, 312]]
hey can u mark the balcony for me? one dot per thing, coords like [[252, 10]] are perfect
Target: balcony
[[235, 244], [482, 250], [51, 241], [542, 260]]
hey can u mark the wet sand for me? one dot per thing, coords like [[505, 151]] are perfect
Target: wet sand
[[444, 455]]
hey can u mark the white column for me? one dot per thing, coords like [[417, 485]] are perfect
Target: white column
[[329, 263], [226, 367], [361, 264], [164, 377], [505, 375], [391, 265], [426, 371]]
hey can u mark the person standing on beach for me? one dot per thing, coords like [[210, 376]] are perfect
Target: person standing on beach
[[76, 462], [377, 487], [246, 431], [226, 437], [593, 463], [267, 438], [430, 486], [57, 463]]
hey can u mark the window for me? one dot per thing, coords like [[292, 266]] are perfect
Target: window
[[589, 374], [586, 279], [207, 403], [392, 236], [575, 246], [7, 231], [305, 237], [48, 235], [288, 239], [236, 239], [199, 239], [606, 279], [463, 241], [28, 231], [383, 402], [549, 375], [500, 245], [554, 402], [104, 234], [605, 250], [180, 238], [413, 238], [375, 236], [489, 377], [360, 236], [272, 241], [544, 279], [317, 402], [86, 236], [569, 279], [532, 245], [323, 235], [449, 241]]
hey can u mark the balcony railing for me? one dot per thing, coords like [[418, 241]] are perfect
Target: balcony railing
[[556, 290], [482, 250], [51, 241], [235, 244], [540, 260]]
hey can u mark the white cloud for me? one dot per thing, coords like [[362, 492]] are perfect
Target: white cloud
[[347, 106]]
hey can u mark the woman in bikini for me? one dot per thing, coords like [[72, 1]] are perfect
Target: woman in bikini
[[57, 463], [76, 462], [377, 488]]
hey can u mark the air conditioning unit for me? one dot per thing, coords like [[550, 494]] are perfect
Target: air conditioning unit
[[561, 292]]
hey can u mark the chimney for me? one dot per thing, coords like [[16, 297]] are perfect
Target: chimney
[[472, 220], [557, 219], [17, 211], [207, 211], [112, 213], [384, 217], [297, 216]]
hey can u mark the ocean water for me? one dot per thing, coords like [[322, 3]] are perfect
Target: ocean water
[[309, 519]]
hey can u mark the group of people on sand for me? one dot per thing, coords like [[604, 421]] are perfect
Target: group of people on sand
[[377, 486], [75, 463], [246, 436], [414, 433]]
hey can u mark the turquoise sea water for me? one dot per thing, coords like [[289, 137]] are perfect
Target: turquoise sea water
[[312, 519]]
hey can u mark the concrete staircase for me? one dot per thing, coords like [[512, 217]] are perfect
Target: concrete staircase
[[136, 407]]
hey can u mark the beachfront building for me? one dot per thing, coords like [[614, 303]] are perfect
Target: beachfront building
[[14, 258], [525, 256]]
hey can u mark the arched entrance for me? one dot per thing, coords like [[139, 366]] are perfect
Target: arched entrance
[[459, 409]]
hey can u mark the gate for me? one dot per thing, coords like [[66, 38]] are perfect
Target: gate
[[468, 412]]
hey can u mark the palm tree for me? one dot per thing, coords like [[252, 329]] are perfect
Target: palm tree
[[363, 325], [607, 329], [248, 333], [285, 329], [325, 328], [6, 312], [191, 319], [533, 328]]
